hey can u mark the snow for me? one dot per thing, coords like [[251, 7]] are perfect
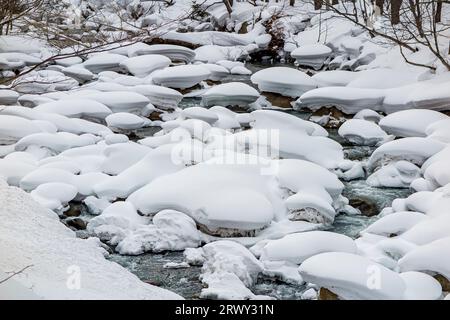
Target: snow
[[118, 101], [312, 55], [285, 81], [54, 253], [143, 65], [126, 121], [410, 123], [421, 286], [181, 76], [413, 149], [54, 196], [173, 52], [232, 93], [398, 174], [104, 62], [8, 97], [76, 108], [228, 270], [349, 100], [349, 276], [334, 78], [363, 132], [79, 73], [14, 128], [395, 223], [430, 257], [164, 98], [298, 247]]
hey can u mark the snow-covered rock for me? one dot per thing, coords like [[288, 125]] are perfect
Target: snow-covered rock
[[144, 65], [229, 94], [181, 77], [312, 55], [363, 132], [285, 81]]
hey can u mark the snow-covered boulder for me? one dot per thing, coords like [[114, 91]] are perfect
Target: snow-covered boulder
[[13, 128], [144, 65], [229, 94], [363, 132], [173, 52], [285, 81], [76, 108], [298, 247], [181, 77], [410, 123], [228, 270], [54, 195], [353, 277], [312, 55], [8, 97], [348, 100], [126, 121], [398, 174], [104, 62], [161, 97], [395, 223]]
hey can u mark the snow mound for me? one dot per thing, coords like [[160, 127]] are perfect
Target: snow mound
[[181, 77], [312, 55], [298, 247], [285, 81], [353, 277], [232, 93], [55, 254]]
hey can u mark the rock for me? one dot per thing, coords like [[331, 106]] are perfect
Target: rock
[[74, 211], [325, 294], [278, 100], [367, 207], [77, 223], [445, 283]]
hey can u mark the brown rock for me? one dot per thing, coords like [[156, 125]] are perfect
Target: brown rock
[[74, 211], [278, 100], [367, 207], [445, 283], [76, 223], [155, 115], [325, 294]]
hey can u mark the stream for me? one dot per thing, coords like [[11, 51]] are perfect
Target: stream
[[150, 267]]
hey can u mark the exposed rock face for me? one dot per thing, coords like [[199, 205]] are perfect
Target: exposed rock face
[[308, 214], [331, 117]]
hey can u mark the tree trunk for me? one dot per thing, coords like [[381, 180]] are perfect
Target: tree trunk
[[317, 4], [395, 11], [438, 15], [380, 5], [292, 2], [228, 5], [333, 2]]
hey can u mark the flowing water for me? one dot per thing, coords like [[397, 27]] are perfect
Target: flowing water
[[151, 267]]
